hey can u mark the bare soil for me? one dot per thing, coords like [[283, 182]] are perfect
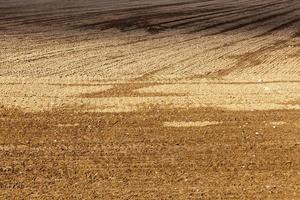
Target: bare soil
[[74, 155], [176, 99]]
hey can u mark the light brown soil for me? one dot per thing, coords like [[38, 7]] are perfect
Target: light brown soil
[[70, 154], [176, 99]]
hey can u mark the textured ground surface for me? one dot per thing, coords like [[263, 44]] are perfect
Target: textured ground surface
[[175, 99]]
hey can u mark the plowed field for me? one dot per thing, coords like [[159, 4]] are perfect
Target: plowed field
[[175, 99]]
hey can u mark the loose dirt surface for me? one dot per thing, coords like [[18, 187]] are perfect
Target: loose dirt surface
[[176, 99], [71, 154]]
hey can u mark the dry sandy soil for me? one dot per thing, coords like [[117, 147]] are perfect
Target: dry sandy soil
[[161, 99]]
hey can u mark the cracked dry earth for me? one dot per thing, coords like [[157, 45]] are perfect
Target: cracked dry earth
[[176, 99]]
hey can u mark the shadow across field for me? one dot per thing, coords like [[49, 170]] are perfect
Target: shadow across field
[[211, 16]]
